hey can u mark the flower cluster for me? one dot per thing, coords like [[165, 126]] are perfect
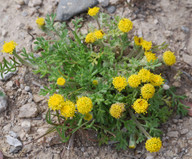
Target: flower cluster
[[116, 110], [150, 56], [134, 81], [84, 105], [145, 75], [153, 144], [140, 106], [147, 91], [40, 22], [60, 81], [125, 25], [119, 83], [93, 36], [68, 109], [9, 47], [55, 102], [169, 58], [93, 11]]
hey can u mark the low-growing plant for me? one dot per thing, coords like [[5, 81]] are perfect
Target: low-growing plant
[[105, 80]]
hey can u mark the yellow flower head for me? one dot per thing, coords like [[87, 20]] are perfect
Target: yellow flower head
[[116, 110], [84, 105], [68, 109], [88, 116], [146, 45], [40, 21], [140, 106], [119, 83], [156, 80], [60, 81], [153, 144], [138, 40], [55, 102], [125, 25], [95, 82], [9, 47], [147, 91], [150, 56], [93, 11], [90, 38], [169, 58], [99, 34], [144, 75], [134, 81]]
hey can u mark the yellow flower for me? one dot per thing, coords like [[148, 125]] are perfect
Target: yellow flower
[[95, 82], [68, 109], [55, 101], [153, 144], [119, 83], [60, 81], [93, 11], [147, 91], [144, 75], [156, 80], [88, 116], [99, 34], [150, 56], [169, 58], [90, 38], [40, 21], [134, 81], [140, 106], [9, 47], [138, 40], [116, 110], [125, 25], [84, 105], [146, 45]]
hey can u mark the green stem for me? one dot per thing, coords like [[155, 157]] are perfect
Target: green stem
[[58, 117], [138, 124], [98, 23], [23, 61]]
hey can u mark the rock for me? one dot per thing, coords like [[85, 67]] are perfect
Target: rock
[[20, 2], [28, 110], [26, 125], [113, 1], [9, 85], [185, 29], [3, 102], [27, 88], [156, 21], [7, 75], [173, 134], [166, 87], [38, 98], [26, 2], [24, 13], [187, 59], [34, 3], [167, 33], [111, 9], [1, 155], [104, 3], [13, 134], [13, 141], [184, 131], [68, 8], [4, 33]]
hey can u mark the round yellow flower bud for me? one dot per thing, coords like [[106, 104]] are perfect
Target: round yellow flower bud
[[119, 83], [68, 109], [144, 75], [153, 144], [84, 105], [125, 25], [147, 91], [134, 81], [140, 106], [150, 56], [90, 38], [138, 40], [93, 11], [116, 110], [95, 82], [156, 80], [55, 102], [40, 21], [88, 116], [169, 58], [9, 47], [99, 34], [60, 81], [146, 45]]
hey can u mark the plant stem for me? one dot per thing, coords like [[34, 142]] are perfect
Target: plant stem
[[98, 23], [138, 124], [105, 130], [23, 61], [57, 113]]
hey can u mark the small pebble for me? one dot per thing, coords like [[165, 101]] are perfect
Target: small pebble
[[27, 88], [111, 9]]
